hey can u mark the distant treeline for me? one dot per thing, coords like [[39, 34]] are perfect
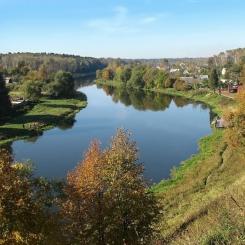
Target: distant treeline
[[53, 62], [234, 56]]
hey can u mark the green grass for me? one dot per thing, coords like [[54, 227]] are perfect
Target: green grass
[[215, 101], [207, 147], [203, 200], [44, 115]]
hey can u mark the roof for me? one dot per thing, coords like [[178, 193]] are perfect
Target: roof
[[187, 79], [203, 77]]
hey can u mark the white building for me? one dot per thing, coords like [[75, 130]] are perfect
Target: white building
[[174, 70], [223, 72], [203, 77]]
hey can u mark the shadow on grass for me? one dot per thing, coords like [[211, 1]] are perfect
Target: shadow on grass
[[60, 106]]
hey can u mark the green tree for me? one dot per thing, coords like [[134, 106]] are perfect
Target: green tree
[[136, 79], [150, 77], [214, 79], [161, 79], [5, 104], [32, 90], [63, 85], [107, 195], [126, 74]]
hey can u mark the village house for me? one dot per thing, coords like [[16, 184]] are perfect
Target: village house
[[223, 72], [203, 77], [189, 80], [173, 70]]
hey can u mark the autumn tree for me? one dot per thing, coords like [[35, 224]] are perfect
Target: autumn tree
[[181, 85], [107, 74], [242, 75], [26, 213], [107, 198], [235, 133], [127, 192]]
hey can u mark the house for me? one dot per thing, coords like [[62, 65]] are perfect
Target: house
[[223, 72], [233, 86], [203, 77], [174, 70], [220, 122], [189, 80], [224, 81], [163, 67]]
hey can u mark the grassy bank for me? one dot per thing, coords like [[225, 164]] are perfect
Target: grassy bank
[[44, 115], [203, 200]]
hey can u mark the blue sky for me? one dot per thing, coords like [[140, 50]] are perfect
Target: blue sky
[[122, 28]]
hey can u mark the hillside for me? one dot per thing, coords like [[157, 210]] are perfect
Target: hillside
[[203, 201]]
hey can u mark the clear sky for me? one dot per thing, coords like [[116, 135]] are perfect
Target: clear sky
[[122, 28]]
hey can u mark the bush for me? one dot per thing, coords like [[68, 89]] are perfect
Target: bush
[[181, 85], [169, 83], [32, 90], [201, 91], [63, 85]]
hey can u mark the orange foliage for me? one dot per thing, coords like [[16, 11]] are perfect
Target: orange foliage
[[107, 195], [235, 134]]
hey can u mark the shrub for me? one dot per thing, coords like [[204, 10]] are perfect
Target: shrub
[[181, 85], [169, 83]]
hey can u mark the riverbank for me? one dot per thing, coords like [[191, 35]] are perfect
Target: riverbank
[[216, 102], [41, 116], [202, 201]]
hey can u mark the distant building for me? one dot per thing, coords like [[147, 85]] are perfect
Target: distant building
[[224, 81], [223, 72], [189, 80], [186, 72], [220, 123], [203, 77], [174, 70]]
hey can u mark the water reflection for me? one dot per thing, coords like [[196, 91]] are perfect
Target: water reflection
[[146, 100]]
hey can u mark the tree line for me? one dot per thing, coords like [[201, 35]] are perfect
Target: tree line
[[140, 76], [17, 63], [105, 200]]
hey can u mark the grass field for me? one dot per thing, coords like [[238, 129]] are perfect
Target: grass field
[[44, 115]]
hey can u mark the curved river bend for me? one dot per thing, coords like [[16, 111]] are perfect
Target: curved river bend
[[167, 130]]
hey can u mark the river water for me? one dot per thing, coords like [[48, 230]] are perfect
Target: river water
[[167, 130]]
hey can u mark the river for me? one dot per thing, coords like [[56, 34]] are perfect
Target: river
[[167, 130]]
